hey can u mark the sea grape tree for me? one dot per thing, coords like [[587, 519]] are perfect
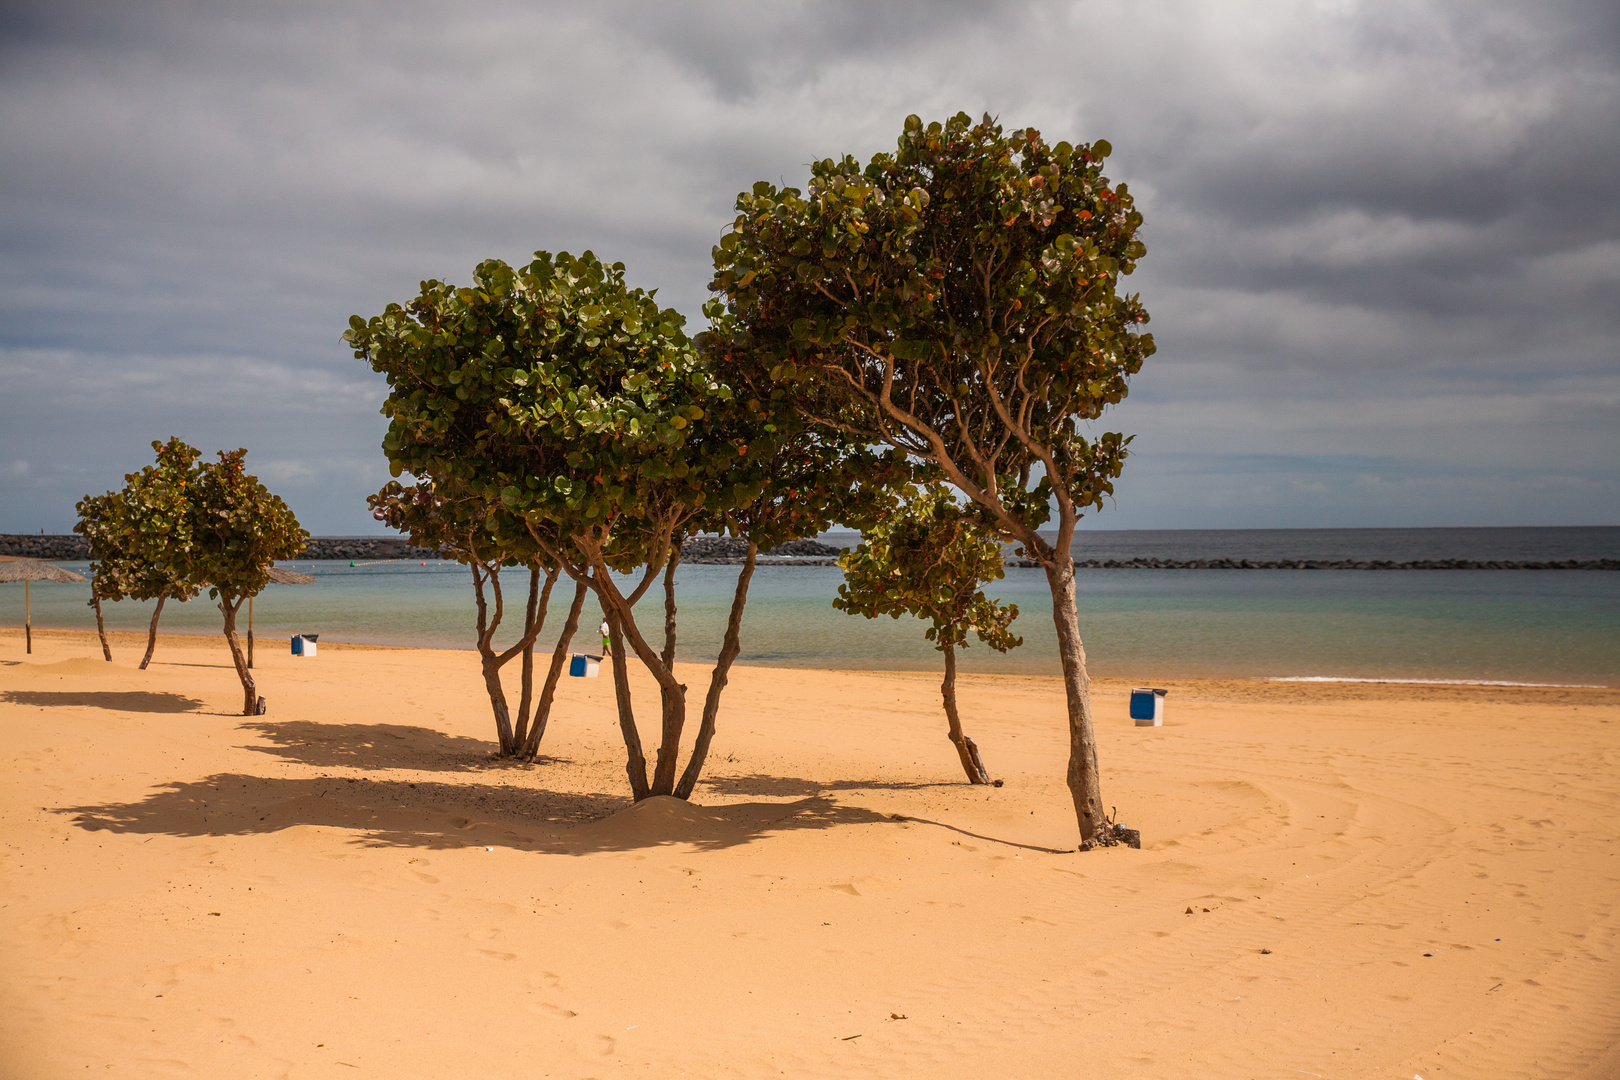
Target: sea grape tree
[[236, 529], [561, 398], [927, 557], [958, 299], [133, 533]]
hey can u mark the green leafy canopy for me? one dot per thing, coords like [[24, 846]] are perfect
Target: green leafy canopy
[[134, 532], [553, 391], [927, 557], [956, 299], [238, 530]]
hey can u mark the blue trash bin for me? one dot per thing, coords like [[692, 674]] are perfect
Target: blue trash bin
[[1147, 706]]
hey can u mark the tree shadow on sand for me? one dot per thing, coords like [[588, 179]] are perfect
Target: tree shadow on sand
[[791, 786], [432, 815], [140, 701], [376, 747]]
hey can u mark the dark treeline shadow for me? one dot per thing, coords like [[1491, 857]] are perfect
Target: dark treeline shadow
[[444, 815], [793, 786], [375, 747], [762, 785], [144, 701]]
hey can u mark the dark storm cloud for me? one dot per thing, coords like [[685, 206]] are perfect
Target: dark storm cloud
[[1384, 239]]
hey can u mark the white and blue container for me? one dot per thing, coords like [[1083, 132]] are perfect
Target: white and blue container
[[1147, 706], [582, 666], [304, 644]]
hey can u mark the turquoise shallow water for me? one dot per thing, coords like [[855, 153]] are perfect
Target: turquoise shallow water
[[1534, 626]]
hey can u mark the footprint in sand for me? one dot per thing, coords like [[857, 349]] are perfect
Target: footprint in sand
[[599, 1046], [551, 1011]]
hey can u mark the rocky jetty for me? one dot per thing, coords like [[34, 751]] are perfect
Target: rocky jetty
[[728, 550], [364, 547], [50, 548], [71, 547], [1328, 564]]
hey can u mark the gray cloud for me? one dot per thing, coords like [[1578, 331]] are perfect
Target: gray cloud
[[1384, 240]]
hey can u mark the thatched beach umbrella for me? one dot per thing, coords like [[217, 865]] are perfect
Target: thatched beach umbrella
[[26, 570], [278, 576]]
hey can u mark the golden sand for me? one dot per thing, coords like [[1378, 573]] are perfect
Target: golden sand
[[1337, 880]]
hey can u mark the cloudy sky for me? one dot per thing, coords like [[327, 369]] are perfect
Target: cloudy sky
[[1384, 239]]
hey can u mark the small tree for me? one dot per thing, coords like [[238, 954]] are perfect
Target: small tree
[[236, 530], [485, 539], [132, 535], [957, 300], [927, 558]]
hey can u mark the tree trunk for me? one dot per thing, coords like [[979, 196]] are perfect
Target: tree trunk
[[520, 733], [101, 627], [978, 762], [717, 681], [1084, 786], [636, 763], [673, 700], [668, 655], [965, 749], [250, 692], [497, 702], [672, 693], [151, 635], [668, 659], [559, 658], [486, 655], [250, 631]]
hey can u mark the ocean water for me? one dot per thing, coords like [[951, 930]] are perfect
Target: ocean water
[[1510, 625]]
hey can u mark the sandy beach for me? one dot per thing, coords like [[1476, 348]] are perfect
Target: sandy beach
[[1337, 880]]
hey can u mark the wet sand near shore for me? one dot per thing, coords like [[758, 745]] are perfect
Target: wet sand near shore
[[1337, 880]]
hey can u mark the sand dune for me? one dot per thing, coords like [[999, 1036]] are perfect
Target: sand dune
[[1337, 880]]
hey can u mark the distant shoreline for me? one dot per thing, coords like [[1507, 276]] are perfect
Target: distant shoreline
[[715, 551]]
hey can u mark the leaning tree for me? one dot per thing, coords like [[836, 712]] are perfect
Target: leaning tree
[[133, 533], [926, 557], [236, 529], [958, 299]]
